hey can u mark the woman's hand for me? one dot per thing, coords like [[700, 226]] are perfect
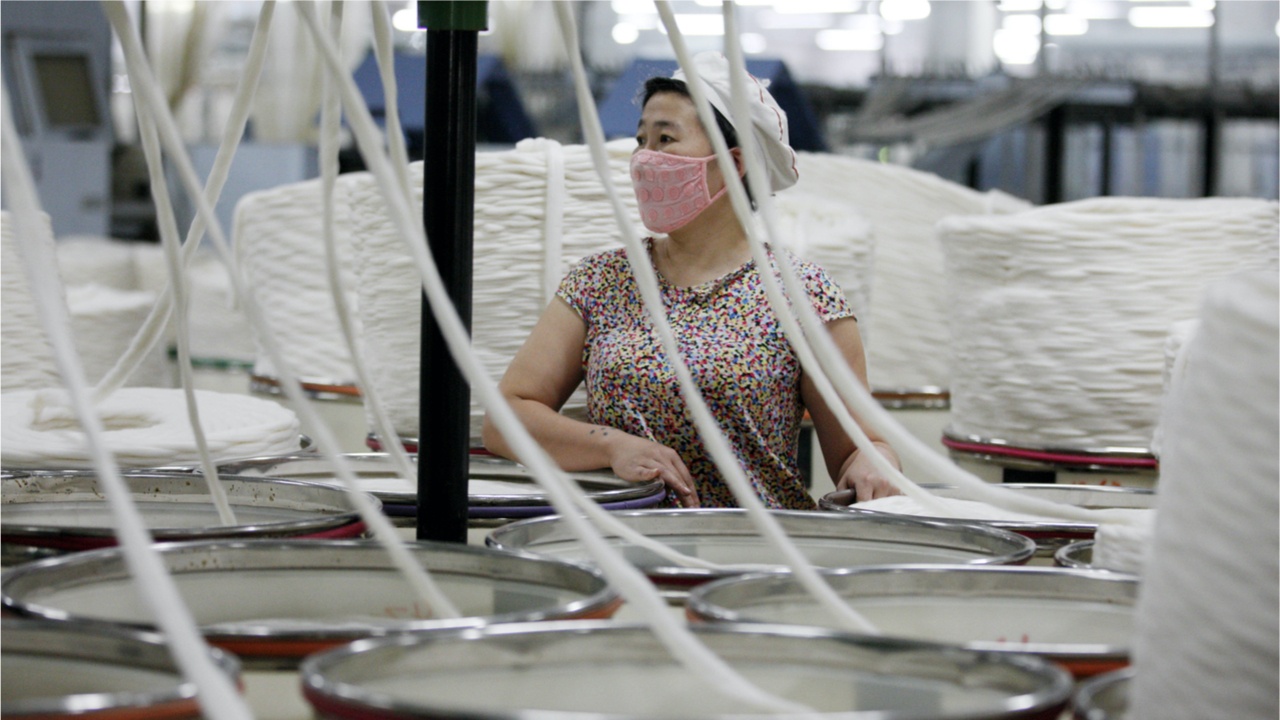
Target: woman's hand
[[864, 479], [636, 459]]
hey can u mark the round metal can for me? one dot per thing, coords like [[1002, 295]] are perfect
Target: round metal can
[[499, 489], [729, 538], [65, 671], [49, 513], [1079, 619], [1077, 555], [573, 670], [273, 602], [1105, 697], [1048, 534]]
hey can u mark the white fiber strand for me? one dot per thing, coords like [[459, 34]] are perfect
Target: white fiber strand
[[632, 585], [168, 226], [708, 429], [145, 88], [153, 330], [216, 693], [330, 112]]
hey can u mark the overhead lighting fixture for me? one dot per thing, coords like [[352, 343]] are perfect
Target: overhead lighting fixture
[[863, 23], [1018, 6], [634, 7], [1061, 24], [770, 20], [752, 43], [405, 20], [1097, 9], [1015, 48], [849, 41], [625, 33], [1022, 24], [1170, 17], [805, 7], [905, 9]]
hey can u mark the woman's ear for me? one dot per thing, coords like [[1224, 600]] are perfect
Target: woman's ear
[[738, 161]]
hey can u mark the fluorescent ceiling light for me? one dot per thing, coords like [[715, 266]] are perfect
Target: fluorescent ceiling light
[[849, 41], [634, 7], [752, 43], [905, 9], [1056, 4], [1060, 24], [1019, 5], [405, 20], [625, 33], [770, 20], [704, 24], [1170, 17], [803, 7], [1097, 9], [1014, 48], [1202, 4], [1022, 24], [863, 23]]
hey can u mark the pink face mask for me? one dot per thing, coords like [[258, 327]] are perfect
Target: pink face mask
[[671, 189]]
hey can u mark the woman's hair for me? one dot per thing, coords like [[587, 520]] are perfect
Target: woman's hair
[[655, 85]]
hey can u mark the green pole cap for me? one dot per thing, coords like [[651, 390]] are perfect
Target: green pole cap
[[453, 14]]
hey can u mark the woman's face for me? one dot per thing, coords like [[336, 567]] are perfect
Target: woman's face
[[669, 123]]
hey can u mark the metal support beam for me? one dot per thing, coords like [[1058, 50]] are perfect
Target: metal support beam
[[444, 435]]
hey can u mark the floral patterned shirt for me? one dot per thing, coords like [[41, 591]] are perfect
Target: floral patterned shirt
[[736, 352]]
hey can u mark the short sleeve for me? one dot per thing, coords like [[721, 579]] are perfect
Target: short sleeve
[[827, 297], [587, 285]]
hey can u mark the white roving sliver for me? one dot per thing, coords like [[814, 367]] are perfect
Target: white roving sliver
[[87, 259], [1175, 368], [1207, 610], [145, 427], [906, 321], [1059, 314], [28, 359], [103, 320], [279, 244]]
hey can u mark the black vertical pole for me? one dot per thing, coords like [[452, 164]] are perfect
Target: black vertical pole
[[447, 213], [1055, 130]]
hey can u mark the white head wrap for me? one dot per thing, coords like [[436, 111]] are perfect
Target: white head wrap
[[768, 121]]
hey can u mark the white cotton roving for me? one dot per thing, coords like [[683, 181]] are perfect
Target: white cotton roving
[[1059, 314], [145, 427], [1207, 610], [103, 321], [27, 357], [279, 241], [88, 259], [906, 322], [1175, 363], [825, 232]]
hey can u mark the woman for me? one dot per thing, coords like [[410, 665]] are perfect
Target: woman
[[597, 329]]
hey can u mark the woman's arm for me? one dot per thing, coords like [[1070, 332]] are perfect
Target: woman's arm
[[847, 464], [541, 377]]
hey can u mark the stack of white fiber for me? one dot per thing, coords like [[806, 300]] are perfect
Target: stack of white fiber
[[823, 231], [279, 242], [1175, 363], [103, 321], [85, 260], [28, 358], [218, 327], [1059, 315], [144, 427], [518, 249], [1207, 612], [906, 324]]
